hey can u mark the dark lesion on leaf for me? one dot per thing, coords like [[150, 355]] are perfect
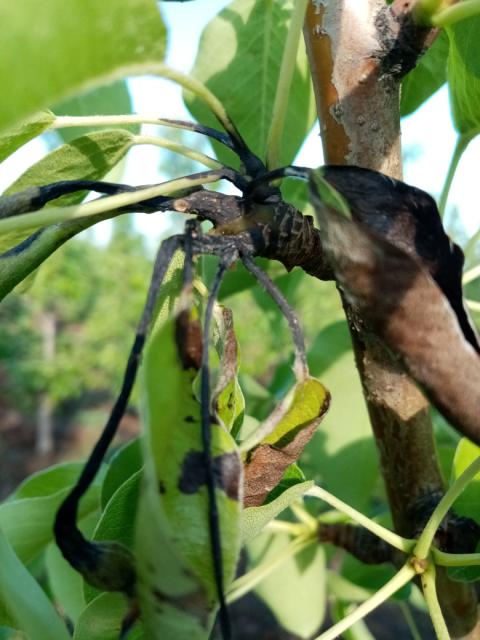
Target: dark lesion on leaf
[[188, 339], [194, 602], [226, 472]]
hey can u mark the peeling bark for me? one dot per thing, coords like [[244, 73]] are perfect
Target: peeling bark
[[358, 51], [357, 102]]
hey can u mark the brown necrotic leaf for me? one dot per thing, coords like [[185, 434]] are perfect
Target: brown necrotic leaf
[[400, 300], [408, 218], [294, 424]]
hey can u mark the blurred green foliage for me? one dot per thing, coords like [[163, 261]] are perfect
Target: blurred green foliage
[[95, 294]]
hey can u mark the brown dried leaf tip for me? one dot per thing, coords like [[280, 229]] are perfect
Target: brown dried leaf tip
[[393, 269]]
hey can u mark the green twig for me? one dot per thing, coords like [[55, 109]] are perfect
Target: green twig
[[282, 526], [472, 304], [460, 146], [62, 122], [51, 215], [285, 77], [471, 275], [181, 149], [455, 559], [400, 579], [187, 82], [424, 543], [471, 245], [403, 544], [202, 92], [246, 583], [424, 10], [431, 598], [303, 516], [455, 13]]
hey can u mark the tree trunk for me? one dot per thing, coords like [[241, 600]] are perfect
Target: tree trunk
[[44, 432], [358, 106]]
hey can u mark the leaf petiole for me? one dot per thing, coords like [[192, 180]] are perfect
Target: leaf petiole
[[285, 76], [455, 559], [247, 582], [462, 143], [400, 579], [456, 12], [403, 544], [51, 215], [181, 149], [471, 275], [431, 598], [425, 540]]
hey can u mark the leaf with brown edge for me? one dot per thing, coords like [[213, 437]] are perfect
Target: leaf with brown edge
[[227, 398], [293, 428], [405, 307]]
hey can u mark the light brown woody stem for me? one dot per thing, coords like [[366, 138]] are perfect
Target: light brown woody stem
[[357, 61]]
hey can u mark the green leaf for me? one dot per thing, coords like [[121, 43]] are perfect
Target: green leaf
[[48, 481], [428, 76], [113, 99], [345, 590], [117, 521], [28, 606], [173, 423], [281, 439], [342, 456], [14, 138], [328, 196], [310, 400], [245, 41], [63, 52], [255, 518], [293, 475], [124, 463], [227, 397], [28, 522], [172, 536], [65, 583], [467, 504], [88, 157], [102, 618], [295, 591], [463, 74]]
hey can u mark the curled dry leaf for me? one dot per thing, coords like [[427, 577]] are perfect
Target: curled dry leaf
[[266, 463], [227, 399], [399, 293]]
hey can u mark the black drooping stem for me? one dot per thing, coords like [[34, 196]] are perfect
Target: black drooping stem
[[214, 524], [286, 309], [79, 552]]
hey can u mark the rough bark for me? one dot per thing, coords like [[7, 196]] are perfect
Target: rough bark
[[358, 51]]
